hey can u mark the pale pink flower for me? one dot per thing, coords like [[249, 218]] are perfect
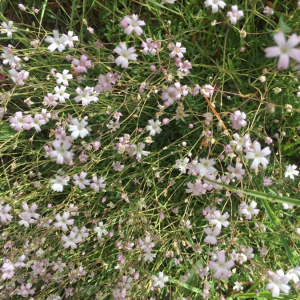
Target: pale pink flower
[[238, 120], [63, 78], [4, 215], [80, 180], [220, 266], [284, 49], [82, 64], [63, 222], [7, 28], [132, 24], [211, 235], [70, 39], [71, 240], [61, 152], [178, 50], [207, 90], [278, 283], [170, 95], [98, 184], [19, 121], [18, 77], [219, 220], [124, 55], [234, 15], [238, 172], [181, 165], [197, 188]]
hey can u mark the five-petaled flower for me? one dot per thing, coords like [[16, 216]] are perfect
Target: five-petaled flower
[[284, 49]]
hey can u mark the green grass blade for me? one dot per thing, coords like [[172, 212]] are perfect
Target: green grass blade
[[163, 7]]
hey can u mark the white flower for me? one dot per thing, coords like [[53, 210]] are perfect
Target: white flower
[[101, 229], [219, 220], [63, 78], [8, 28], [56, 41], [149, 256], [248, 210], [238, 286], [153, 127], [291, 171], [167, 1], [58, 183], [60, 94], [215, 4], [125, 55], [258, 155], [181, 165], [78, 128], [235, 14], [133, 24], [294, 274], [160, 280], [63, 222], [278, 283], [206, 165]]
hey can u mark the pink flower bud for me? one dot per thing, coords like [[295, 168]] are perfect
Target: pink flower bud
[[242, 49], [166, 121], [124, 23], [140, 129], [103, 200], [183, 144], [152, 68], [136, 276], [166, 104], [177, 60], [162, 216], [119, 243], [208, 132], [96, 145], [111, 234], [191, 126], [21, 7], [108, 112], [221, 157]]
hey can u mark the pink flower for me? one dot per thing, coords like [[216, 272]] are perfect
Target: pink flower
[[19, 121], [215, 4], [124, 55], [211, 235], [284, 50], [4, 215], [278, 283], [177, 50], [132, 24], [238, 120], [207, 90], [221, 267], [82, 64], [80, 180]]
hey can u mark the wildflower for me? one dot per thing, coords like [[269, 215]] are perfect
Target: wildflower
[[63, 78], [181, 165], [221, 267], [124, 55], [238, 120], [206, 166], [267, 181], [18, 77], [61, 152], [238, 172], [7, 269], [294, 274], [215, 4], [98, 184], [4, 215], [78, 128], [153, 127], [238, 286], [284, 49], [278, 283], [70, 39], [219, 220], [50, 99], [71, 240], [9, 57], [234, 15], [60, 94], [170, 95], [8, 28], [160, 280], [268, 11], [132, 24], [149, 256], [248, 210], [56, 41], [258, 155], [207, 90], [197, 188], [117, 166], [19, 121], [80, 180], [177, 50], [58, 183], [262, 78], [291, 171], [82, 64], [277, 90], [150, 46], [63, 222], [211, 235], [101, 229]]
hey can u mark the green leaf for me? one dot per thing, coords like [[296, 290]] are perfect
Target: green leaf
[[282, 26]]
